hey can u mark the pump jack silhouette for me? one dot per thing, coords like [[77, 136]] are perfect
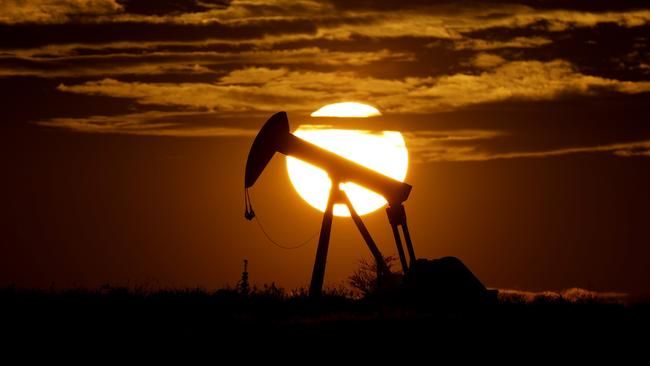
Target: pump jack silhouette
[[275, 137]]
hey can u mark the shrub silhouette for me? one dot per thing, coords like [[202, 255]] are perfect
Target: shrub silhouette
[[364, 278]]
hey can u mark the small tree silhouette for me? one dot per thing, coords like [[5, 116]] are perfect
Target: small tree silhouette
[[364, 279]]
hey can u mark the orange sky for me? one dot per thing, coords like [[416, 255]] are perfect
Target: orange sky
[[126, 127]]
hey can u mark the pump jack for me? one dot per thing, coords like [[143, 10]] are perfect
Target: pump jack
[[275, 137]]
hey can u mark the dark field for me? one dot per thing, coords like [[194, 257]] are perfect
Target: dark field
[[224, 318]]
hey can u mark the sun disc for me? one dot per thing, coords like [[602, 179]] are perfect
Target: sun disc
[[383, 151]]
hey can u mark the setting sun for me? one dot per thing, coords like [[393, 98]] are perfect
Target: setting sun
[[347, 109], [383, 151]]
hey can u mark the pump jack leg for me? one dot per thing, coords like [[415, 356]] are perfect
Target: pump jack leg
[[397, 217], [400, 249], [409, 244], [318, 274], [382, 269]]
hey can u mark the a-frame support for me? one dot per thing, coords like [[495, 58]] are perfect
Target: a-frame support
[[318, 275]]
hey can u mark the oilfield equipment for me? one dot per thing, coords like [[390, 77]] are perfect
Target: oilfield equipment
[[275, 137]]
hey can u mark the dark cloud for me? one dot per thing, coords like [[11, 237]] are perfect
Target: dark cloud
[[28, 36], [154, 7], [594, 5], [155, 62], [389, 5], [606, 49], [28, 99], [56, 11]]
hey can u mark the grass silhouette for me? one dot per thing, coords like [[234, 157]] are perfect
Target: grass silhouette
[[269, 312]]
